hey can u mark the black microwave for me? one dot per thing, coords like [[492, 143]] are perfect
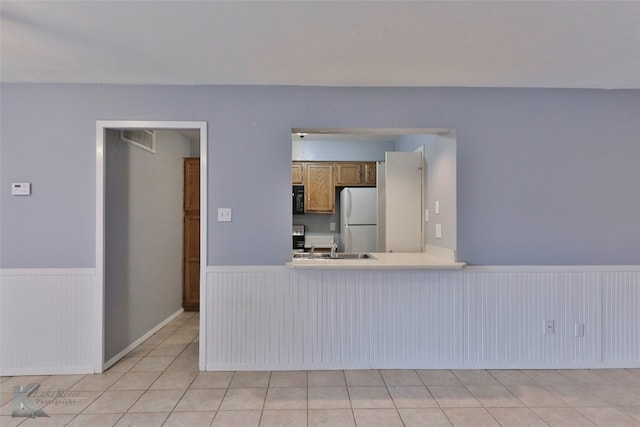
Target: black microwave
[[298, 199]]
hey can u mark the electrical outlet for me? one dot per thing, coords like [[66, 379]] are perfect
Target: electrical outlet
[[549, 327], [224, 214], [426, 215], [438, 231], [332, 226]]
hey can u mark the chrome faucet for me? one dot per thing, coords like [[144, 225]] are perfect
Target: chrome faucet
[[313, 248], [334, 249]]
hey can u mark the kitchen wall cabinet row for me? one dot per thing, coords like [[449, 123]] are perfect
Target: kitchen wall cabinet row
[[355, 174], [321, 178], [346, 173]]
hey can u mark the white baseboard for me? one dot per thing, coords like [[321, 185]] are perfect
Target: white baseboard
[[48, 370], [439, 366], [109, 363], [46, 272]]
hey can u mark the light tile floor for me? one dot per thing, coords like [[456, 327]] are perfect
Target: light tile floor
[[158, 384]]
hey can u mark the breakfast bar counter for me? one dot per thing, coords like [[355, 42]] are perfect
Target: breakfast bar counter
[[378, 261]]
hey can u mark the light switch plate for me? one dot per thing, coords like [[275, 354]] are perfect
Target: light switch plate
[[332, 226], [438, 231], [437, 207], [20, 188], [426, 215], [224, 214]]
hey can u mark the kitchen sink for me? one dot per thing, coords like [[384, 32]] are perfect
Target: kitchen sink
[[360, 255], [339, 255]]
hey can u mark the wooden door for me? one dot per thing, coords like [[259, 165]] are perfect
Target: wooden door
[[191, 236]]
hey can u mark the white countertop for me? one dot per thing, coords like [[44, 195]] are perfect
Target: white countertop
[[391, 261]]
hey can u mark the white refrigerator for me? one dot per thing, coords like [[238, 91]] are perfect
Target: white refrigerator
[[399, 183], [358, 220]]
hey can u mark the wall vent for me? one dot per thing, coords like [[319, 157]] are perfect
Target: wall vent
[[141, 138]]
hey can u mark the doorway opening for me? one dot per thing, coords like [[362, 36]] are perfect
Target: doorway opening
[[105, 309]]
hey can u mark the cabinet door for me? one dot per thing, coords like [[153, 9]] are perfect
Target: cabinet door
[[297, 173], [369, 173], [319, 188], [348, 174]]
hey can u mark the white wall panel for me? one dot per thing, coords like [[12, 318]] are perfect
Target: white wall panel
[[492, 317], [621, 316], [505, 315], [329, 319], [46, 321], [275, 318]]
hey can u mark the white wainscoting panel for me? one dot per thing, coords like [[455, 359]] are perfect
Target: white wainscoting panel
[[284, 319], [506, 314], [480, 317], [46, 323], [621, 316]]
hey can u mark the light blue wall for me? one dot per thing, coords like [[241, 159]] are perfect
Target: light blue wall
[[363, 151], [544, 176]]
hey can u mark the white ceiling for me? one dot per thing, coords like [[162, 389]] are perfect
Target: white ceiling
[[573, 44]]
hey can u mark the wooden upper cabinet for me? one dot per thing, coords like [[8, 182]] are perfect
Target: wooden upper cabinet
[[320, 180], [369, 174], [297, 173], [192, 184], [348, 174], [355, 173], [319, 188]]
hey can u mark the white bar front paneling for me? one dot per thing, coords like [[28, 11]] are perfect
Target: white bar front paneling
[[277, 318], [330, 319], [46, 321], [621, 316]]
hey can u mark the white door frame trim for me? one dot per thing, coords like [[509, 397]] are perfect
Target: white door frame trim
[[99, 294]]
